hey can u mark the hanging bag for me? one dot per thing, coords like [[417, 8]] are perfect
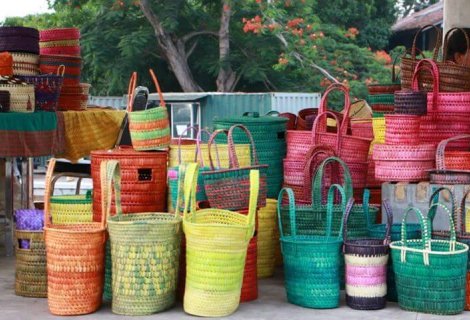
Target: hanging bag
[[150, 128]]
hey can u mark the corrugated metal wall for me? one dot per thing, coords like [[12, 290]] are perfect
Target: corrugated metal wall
[[114, 102], [294, 102]]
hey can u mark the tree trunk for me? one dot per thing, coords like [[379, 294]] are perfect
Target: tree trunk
[[227, 79], [174, 53]]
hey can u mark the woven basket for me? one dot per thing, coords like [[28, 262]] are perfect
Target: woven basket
[[19, 39], [378, 125], [143, 176], [216, 246], [311, 263], [430, 274], [311, 217], [73, 102], [81, 88], [145, 249], [59, 34], [229, 188], [46, 89], [291, 120], [6, 64], [21, 94], [464, 236], [30, 270], [4, 101], [267, 224], [249, 290], [149, 129], [362, 128], [402, 162], [408, 63], [402, 129], [61, 47], [306, 118], [381, 102], [366, 268], [25, 64], [385, 88], [455, 175], [75, 262], [411, 102], [50, 63], [378, 231]]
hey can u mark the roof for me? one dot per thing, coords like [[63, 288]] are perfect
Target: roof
[[432, 15], [179, 96]]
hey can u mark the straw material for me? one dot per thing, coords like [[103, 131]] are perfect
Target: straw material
[[71, 209], [58, 34], [46, 89], [145, 250], [25, 64], [463, 218], [430, 274], [267, 225], [49, 64], [249, 290], [458, 173], [402, 129], [19, 39], [366, 268], [21, 94], [75, 262], [378, 125], [31, 274], [311, 263], [216, 248], [6, 64]]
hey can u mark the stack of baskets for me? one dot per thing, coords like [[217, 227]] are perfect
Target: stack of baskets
[[62, 47], [18, 96], [23, 45]]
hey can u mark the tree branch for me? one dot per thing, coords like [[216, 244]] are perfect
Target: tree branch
[[191, 50], [193, 34]]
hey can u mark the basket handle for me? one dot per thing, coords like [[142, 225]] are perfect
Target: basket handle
[[61, 70], [199, 151], [273, 113], [453, 235], [110, 173], [394, 64], [463, 214], [438, 42], [434, 70], [130, 91], [48, 192], [157, 85], [330, 207], [311, 164], [320, 126], [254, 192], [318, 180], [292, 215], [209, 147], [441, 147], [190, 186], [435, 199], [346, 108], [425, 235], [198, 136], [231, 146], [446, 42], [251, 114]]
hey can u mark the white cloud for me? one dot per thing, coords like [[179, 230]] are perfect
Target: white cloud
[[21, 8]]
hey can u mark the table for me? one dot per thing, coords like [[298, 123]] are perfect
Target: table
[[71, 135]]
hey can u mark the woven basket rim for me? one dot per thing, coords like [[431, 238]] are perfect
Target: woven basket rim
[[299, 239], [155, 215], [32, 231], [398, 245], [95, 227], [358, 243]]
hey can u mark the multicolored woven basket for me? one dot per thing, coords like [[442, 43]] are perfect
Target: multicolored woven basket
[[21, 94], [25, 64], [50, 63]]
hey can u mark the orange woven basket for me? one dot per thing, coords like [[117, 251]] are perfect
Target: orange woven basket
[[75, 261]]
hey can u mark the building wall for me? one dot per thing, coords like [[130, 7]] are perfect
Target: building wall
[[456, 14]]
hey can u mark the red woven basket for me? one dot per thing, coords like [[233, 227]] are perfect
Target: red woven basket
[[61, 50], [458, 174], [362, 128], [306, 118], [249, 290], [292, 120], [59, 34], [402, 129], [50, 63], [143, 183], [73, 102], [6, 64]]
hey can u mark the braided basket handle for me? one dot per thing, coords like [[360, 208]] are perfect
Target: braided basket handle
[[292, 215], [199, 150], [425, 235], [441, 147], [209, 148], [343, 127], [438, 41], [61, 70], [434, 70], [330, 207], [319, 127], [191, 171], [130, 91], [110, 174], [453, 234], [231, 146], [311, 163], [389, 213], [446, 42], [463, 215]]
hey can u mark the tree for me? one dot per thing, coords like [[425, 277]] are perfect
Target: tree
[[407, 7]]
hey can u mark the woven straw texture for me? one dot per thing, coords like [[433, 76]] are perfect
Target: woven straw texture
[[216, 246], [31, 274], [57, 34], [71, 209], [49, 64], [464, 237], [25, 64], [46, 89], [458, 173], [143, 177], [145, 250], [249, 290], [75, 262], [21, 94], [267, 224], [6, 64], [19, 39], [430, 274], [366, 268], [311, 263], [402, 129]]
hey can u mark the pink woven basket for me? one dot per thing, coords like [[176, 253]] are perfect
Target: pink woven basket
[[362, 128], [402, 129], [371, 181], [402, 162], [458, 173]]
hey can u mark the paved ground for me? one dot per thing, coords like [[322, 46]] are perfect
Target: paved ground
[[271, 305]]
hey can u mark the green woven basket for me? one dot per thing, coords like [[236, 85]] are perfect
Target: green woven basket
[[311, 219], [430, 274], [388, 99], [269, 135], [311, 263], [66, 209], [145, 249]]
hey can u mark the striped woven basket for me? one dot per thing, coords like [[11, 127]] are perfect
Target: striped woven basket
[[58, 34], [25, 64], [19, 39], [430, 274], [50, 63], [267, 224], [366, 268], [149, 129], [145, 249], [216, 246], [311, 263], [21, 94], [61, 47], [75, 261]]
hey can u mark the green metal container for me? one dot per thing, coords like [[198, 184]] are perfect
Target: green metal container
[[269, 135]]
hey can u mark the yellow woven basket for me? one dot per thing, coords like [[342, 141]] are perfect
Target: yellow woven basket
[[267, 224], [378, 125], [216, 247]]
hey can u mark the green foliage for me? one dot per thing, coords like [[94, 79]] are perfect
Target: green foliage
[[407, 7]]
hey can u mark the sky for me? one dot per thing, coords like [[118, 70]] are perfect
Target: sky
[[21, 8]]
